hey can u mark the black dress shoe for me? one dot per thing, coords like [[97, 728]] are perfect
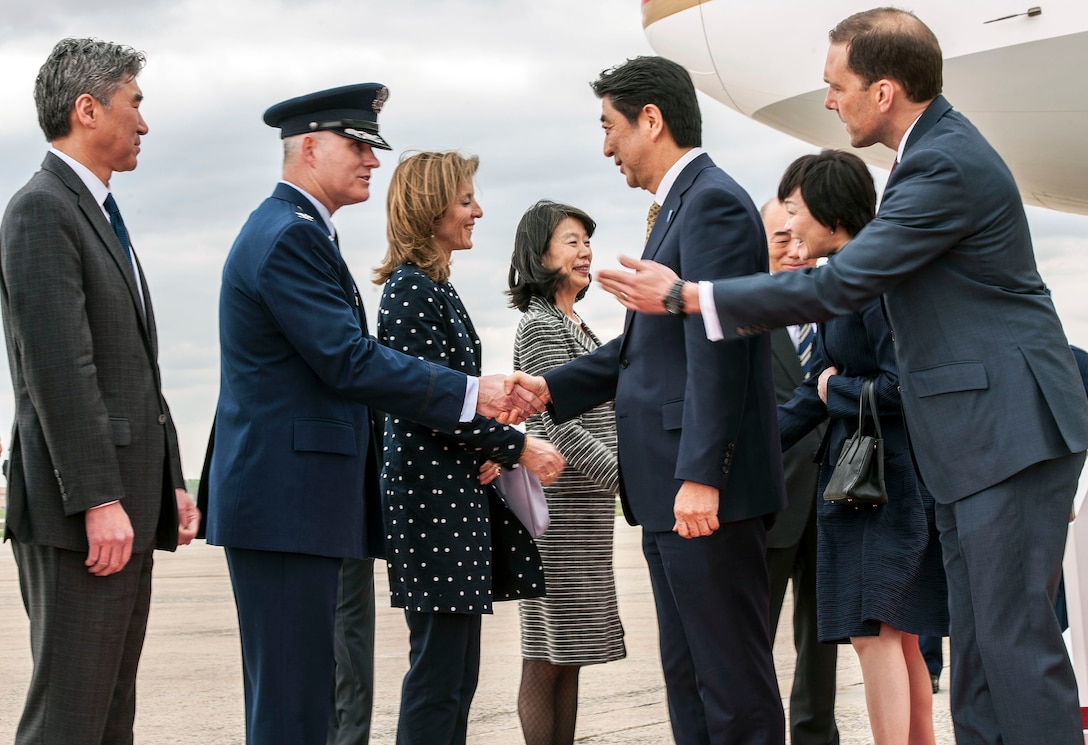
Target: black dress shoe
[[936, 683]]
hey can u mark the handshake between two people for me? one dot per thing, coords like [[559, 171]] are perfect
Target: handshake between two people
[[511, 399]]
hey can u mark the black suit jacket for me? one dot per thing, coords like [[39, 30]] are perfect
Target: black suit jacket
[[91, 424]]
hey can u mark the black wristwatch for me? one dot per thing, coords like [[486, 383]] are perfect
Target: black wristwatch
[[674, 300]]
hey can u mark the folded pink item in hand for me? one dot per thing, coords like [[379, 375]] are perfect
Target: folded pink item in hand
[[524, 495]]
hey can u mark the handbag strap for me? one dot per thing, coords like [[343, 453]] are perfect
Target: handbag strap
[[868, 396]]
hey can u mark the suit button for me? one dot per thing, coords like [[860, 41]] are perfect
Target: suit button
[[624, 363], [725, 468], [162, 418]]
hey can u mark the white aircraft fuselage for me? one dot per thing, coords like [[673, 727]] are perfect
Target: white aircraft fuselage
[[1022, 80]]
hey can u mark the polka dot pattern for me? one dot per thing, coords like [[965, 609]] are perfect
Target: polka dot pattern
[[437, 518]]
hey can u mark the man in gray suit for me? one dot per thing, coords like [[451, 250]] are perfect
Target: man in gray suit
[[94, 478], [791, 543], [997, 416]]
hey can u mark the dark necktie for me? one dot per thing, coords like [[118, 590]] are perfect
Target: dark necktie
[[118, 225], [651, 218], [805, 347]]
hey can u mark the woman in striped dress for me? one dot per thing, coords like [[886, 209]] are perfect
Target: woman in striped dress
[[578, 622]]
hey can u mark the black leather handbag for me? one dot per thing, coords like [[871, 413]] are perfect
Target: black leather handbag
[[858, 478]]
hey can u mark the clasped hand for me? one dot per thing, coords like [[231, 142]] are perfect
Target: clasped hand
[[511, 399], [539, 456]]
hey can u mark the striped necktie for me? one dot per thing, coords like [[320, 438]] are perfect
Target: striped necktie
[[805, 347], [651, 218]]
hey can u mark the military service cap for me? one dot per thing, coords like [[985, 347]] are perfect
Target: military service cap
[[350, 111]]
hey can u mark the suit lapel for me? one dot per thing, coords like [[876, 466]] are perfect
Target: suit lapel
[[669, 210], [786, 355], [457, 310], [101, 225], [937, 108], [673, 202], [303, 207]]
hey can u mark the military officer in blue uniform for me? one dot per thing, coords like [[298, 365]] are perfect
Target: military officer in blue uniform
[[293, 471]]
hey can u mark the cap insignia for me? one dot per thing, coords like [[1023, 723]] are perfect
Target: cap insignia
[[379, 100]]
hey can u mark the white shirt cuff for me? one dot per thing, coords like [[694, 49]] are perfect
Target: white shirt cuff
[[711, 323], [472, 395]]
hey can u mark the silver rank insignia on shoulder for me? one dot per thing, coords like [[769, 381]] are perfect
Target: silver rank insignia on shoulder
[[304, 216]]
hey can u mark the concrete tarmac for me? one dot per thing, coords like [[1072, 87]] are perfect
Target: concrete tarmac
[[190, 686]]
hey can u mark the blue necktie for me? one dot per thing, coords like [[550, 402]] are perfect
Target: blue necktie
[[805, 347], [118, 225]]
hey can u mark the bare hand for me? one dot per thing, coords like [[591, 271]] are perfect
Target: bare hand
[[109, 538], [542, 459], [489, 471], [513, 398], [821, 383], [644, 290], [188, 517], [696, 510]]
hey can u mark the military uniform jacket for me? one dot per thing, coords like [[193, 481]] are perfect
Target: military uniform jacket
[[293, 467]]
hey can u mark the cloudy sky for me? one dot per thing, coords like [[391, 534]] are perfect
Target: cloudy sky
[[504, 79]]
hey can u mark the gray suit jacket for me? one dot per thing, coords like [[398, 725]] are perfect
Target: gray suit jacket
[[988, 384], [91, 424], [798, 462]]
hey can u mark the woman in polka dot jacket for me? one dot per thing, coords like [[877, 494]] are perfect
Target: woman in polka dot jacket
[[440, 527]]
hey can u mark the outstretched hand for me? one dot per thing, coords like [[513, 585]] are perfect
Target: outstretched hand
[[643, 290]]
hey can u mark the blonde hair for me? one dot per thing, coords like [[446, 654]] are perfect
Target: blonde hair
[[423, 187]]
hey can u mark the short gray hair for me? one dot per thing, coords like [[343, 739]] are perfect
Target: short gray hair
[[75, 67]]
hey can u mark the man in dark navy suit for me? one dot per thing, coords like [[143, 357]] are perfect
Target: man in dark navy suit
[[293, 474], [997, 416], [791, 543], [699, 454]]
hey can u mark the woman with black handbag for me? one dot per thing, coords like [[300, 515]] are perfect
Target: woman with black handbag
[[880, 580]]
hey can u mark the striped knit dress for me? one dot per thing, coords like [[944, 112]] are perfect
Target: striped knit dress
[[578, 622]]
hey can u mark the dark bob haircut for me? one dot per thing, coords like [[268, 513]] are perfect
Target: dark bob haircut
[[528, 275], [836, 186]]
